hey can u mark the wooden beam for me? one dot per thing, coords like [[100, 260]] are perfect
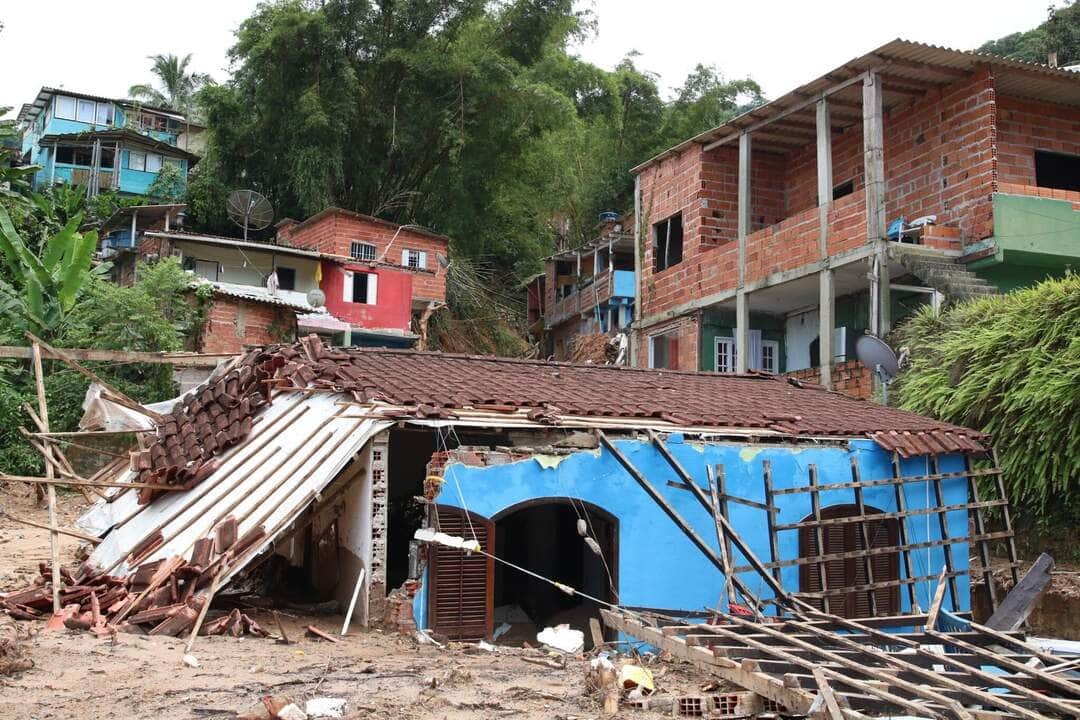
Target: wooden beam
[[983, 547], [1021, 600], [50, 490], [864, 534], [89, 483], [943, 526], [889, 481], [810, 101], [729, 531], [887, 515], [207, 360], [51, 528], [774, 541], [901, 505], [815, 509]]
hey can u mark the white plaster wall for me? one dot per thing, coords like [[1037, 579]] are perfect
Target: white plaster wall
[[800, 330], [249, 267]]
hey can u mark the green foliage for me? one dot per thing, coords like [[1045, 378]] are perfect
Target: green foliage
[[39, 289], [469, 117], [177, 86], [169, 186], [1060, 33], [1008, 365]]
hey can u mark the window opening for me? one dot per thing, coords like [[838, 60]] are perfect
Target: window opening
[[362, 251], [286, 277], [1057, 170], [667, 242], [664, 351]]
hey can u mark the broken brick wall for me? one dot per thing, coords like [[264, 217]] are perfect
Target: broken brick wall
[[688, 331], [233, 324], [850, 377], [939, 159]]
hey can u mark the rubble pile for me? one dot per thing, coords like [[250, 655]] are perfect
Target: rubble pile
[[159, 598]]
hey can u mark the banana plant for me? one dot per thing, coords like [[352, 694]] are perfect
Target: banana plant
[[38, 291]]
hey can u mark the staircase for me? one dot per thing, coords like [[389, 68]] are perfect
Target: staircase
[[947, 276]]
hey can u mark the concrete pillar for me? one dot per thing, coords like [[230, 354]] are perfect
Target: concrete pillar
[[639, 220], [874, 172], [826, 313], [742, 306]]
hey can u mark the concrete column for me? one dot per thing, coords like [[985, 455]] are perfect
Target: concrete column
[[826, 313], [635, 333], [874, 172], [742, 306]]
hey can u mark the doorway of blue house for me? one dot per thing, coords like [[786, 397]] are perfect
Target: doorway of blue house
[[543, 535]]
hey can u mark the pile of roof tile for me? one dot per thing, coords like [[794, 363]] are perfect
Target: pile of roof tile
[[159, 597]]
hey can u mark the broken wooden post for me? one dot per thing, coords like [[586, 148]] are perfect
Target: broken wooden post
[[352, 602], [1021, 600], [50, 489]]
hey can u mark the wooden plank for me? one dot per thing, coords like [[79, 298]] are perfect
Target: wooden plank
[[902, 548], [54, 535], [1006, 517], [943, 526], [750, 503], [721, 541], [790, 110], [858, 667], [864, 533], [980, 529], [868, 587], [936, 510], [729, 531], [796, 700], [1021, 600], [901, 505], [888, 481], [207, 360], [670, 511], [774, 541], [815, 509], [51, 528], [939, 597], [88, 483], [929, 676], [825, 690]]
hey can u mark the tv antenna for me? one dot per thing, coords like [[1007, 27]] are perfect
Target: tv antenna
[[249, 209], [874, 353]]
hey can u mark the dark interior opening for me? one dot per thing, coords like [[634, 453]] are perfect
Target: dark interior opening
[[843, 189], [668, 242], [1057, 170], [410, 452], [624, 261], [543, 537]]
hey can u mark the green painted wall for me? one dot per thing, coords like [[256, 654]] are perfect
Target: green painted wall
[[721, 323], [1034, 238]]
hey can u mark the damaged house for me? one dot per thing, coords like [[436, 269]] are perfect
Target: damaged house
[[485, 498]]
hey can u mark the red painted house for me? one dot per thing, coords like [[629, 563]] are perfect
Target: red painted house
[[380, 281], [381, 278]]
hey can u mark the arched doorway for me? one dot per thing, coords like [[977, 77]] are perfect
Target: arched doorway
[[542, 535], [846, 537]]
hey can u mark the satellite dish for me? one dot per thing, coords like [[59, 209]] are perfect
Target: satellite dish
[[875, 354], [316, 298], [249, 209]]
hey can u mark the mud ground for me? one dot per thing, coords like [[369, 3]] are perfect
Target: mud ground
[[381, 675]]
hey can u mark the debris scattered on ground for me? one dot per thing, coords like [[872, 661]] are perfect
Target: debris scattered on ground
[[157, 599], [13, 657], [562, 637], [321, 634], [325, 707]]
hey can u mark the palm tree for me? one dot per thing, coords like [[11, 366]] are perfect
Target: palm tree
[[177, 85]]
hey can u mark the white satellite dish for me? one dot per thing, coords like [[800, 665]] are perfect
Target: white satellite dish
[[249, 210], [316, 298], [874, 353]]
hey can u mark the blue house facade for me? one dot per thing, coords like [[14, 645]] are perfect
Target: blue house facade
[[104, 144]]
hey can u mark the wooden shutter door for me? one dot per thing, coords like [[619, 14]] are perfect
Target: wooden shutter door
[[461, 590]]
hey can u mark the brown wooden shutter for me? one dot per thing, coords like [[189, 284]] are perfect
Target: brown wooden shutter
[[673, 353], [850, 572], [461, 586]]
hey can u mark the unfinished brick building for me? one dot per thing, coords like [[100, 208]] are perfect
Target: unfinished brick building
[[912, 174]]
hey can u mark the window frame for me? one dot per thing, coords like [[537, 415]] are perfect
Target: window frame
[[159, 159], [730, 343], [774, 347], [407, 256], [371, 288], [355, 245], [74, 107], [668, 336], [662, 256], [131, 155]]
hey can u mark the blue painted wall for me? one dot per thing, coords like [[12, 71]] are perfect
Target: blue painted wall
[[623, 285], [658, 566]]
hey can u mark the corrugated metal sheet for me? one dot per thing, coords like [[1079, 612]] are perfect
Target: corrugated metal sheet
[[296, 449], [916, 62]]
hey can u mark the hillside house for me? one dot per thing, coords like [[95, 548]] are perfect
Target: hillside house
[[104, 143], [377, 282], [913, 174], [584, 291]]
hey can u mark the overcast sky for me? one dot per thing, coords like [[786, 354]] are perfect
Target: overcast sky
[[102, 48]]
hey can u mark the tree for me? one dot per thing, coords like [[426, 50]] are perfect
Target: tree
[[177, 86], [39, 290], [1059, 34]]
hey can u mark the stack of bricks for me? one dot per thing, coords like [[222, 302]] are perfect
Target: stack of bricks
[[850, 377]]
